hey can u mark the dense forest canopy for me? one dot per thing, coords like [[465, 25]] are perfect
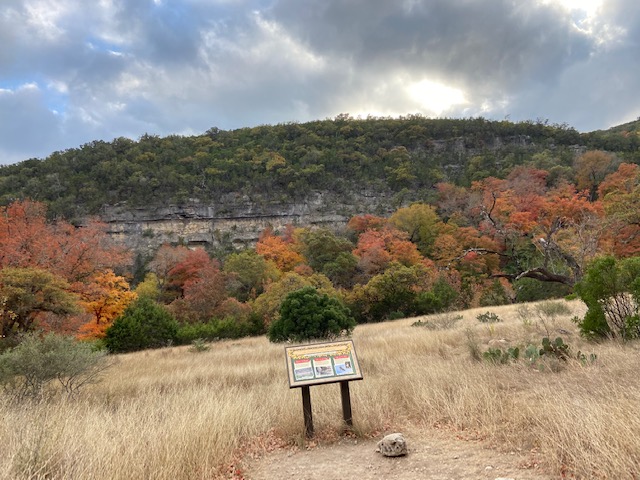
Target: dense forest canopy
[[404, 157], [483, 213]]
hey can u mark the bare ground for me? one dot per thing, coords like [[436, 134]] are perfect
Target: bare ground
[[433, 455]]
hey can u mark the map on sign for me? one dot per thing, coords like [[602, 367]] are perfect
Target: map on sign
[[318, 363]]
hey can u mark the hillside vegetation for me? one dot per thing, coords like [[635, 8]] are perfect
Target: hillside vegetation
[[179, 414], [509, 213], [403, 158]]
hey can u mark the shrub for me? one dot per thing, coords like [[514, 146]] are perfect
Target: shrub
[[611, 291], [144, 324], [557, 348], [37, 365], [499, 356], [488, 317], [551, 354], [199, 346], [220, 328], [306, 314]]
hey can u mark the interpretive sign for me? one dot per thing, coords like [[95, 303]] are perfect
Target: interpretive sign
[[319, 363]]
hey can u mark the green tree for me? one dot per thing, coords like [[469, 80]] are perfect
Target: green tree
[[249, 272], [267, 305], [322, 246], [611, 291], [389, 294], [29, 292], [420, 222], [439, 299], [306, 314], [342, 270], [144, 324]]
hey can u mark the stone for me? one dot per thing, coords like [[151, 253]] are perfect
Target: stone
[[393, 445]]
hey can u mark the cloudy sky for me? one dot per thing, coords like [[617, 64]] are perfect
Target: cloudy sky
[[72, 71]]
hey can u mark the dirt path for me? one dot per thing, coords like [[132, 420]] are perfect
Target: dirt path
[[433, 455]]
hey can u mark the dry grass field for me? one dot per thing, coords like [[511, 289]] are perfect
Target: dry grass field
[[176, 414]]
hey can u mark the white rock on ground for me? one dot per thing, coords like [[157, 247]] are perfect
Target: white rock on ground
[[393, 445]]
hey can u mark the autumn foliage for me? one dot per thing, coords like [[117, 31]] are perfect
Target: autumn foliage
[[476, 245], [73, 264]]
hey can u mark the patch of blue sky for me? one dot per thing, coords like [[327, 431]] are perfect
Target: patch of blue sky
[[54, 97], [103, 45], [12, 83], [56, 100]]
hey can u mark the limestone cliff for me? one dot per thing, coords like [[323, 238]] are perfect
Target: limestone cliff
[[234, 219]]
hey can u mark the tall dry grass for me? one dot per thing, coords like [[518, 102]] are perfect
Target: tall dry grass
[[177, 414]]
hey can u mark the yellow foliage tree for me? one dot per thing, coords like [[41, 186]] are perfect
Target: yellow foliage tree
[[104, 299]]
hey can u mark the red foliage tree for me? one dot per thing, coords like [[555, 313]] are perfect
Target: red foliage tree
[[73, 253]]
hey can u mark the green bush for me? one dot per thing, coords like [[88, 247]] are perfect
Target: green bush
[[611, 291], [42, 366], [499, 356], [199, 346], [488, 317], [306, 314], [220, 328], [440, 298], [144, 324]]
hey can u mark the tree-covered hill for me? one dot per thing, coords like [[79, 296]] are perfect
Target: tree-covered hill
[[402, 157]]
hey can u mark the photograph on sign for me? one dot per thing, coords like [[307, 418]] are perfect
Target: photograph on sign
[[302, 369], [343, 364], [323, 367], [319, 363]]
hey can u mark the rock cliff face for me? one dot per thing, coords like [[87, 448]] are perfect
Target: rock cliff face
[[235, 219]]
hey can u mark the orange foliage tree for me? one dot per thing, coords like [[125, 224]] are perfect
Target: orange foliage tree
[[543, 234], [73, 253], [105, 298], [377, 248], [281, 250]]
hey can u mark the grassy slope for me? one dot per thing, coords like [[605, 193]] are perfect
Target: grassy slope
[[175, 414]]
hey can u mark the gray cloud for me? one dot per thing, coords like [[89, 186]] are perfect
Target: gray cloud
[[25, 123], [129, 67], [480, 44]]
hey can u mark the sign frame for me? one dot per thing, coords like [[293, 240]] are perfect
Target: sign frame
[[322, 363]]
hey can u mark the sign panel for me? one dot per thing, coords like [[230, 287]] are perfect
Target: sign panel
[[318, 363]]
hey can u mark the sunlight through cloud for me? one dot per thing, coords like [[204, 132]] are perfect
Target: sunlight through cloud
[[436, 97]]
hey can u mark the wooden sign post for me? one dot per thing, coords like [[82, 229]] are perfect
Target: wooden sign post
[[320, 363]]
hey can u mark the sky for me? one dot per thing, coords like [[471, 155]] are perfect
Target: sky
[[74, 71]]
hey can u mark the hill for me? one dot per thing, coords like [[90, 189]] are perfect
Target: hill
[[401, 157], [226, 186]]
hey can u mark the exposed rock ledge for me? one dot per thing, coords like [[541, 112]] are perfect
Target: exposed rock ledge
[[235, 219]]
